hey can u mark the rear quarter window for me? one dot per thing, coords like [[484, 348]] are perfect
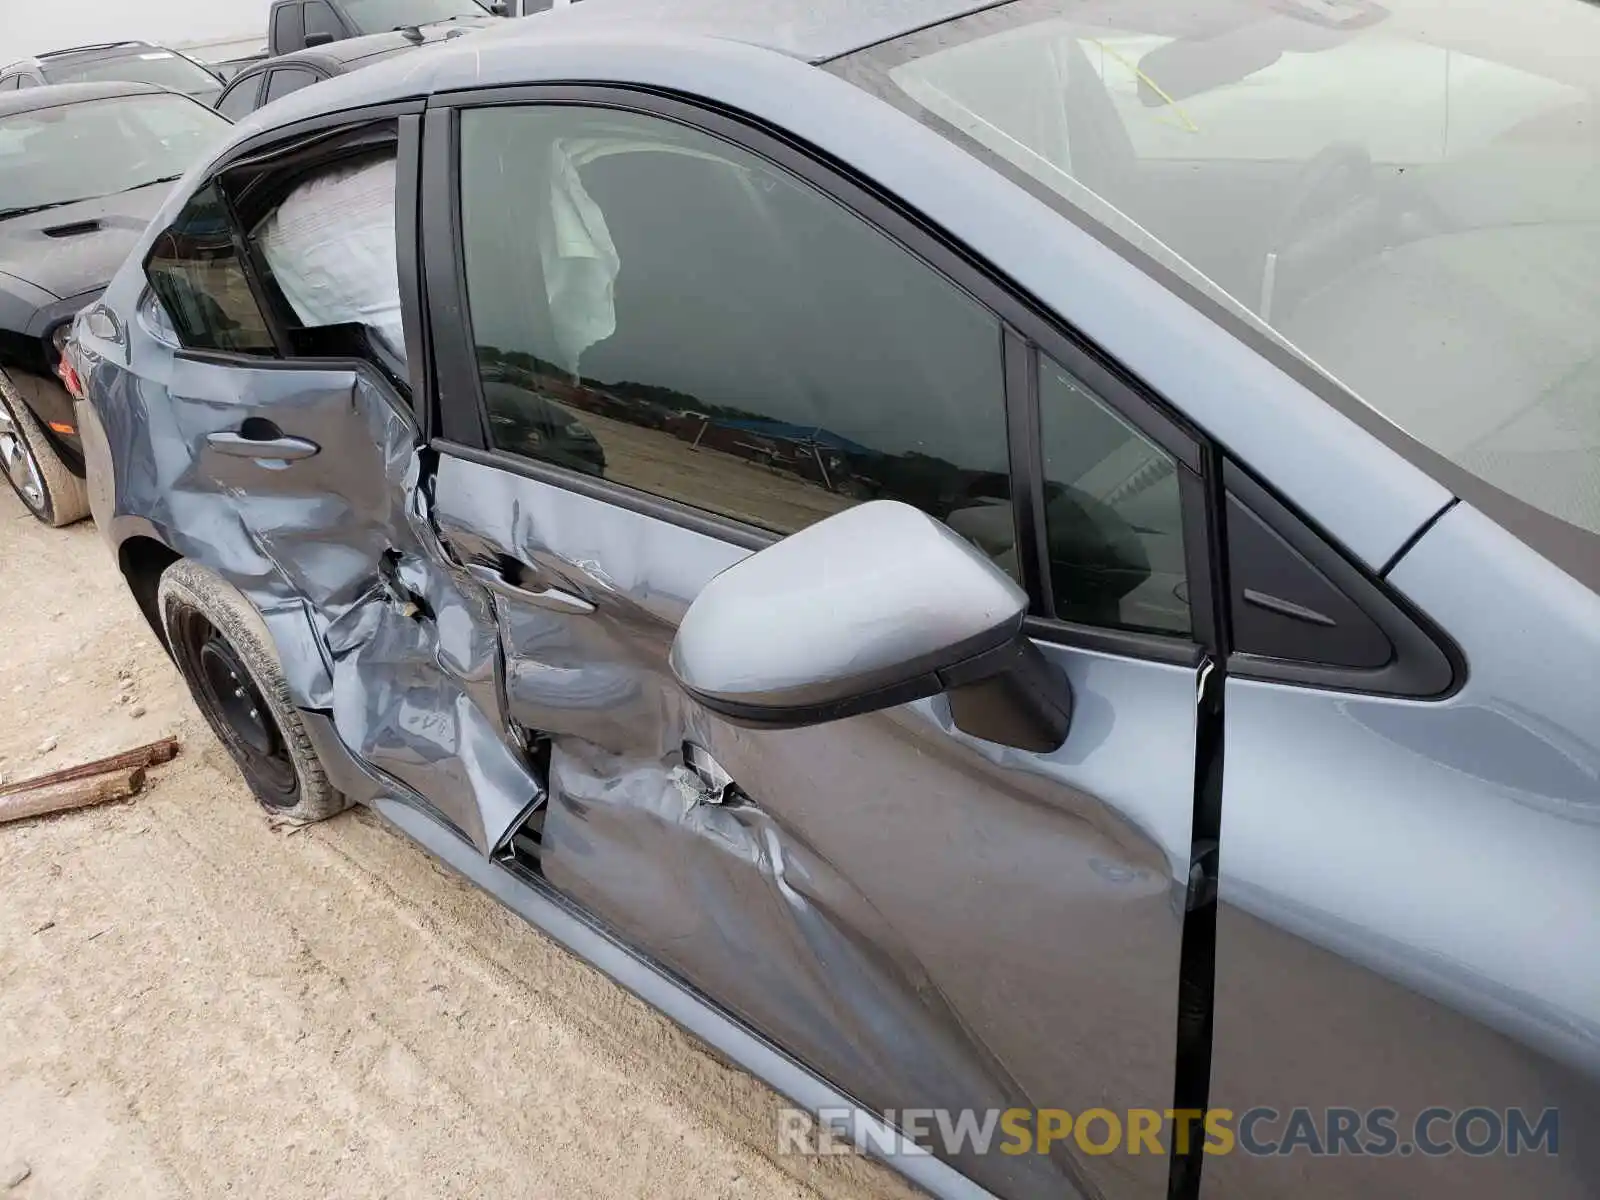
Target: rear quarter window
[[194, 270]]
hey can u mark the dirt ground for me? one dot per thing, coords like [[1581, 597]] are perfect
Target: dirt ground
[[193, 1003]]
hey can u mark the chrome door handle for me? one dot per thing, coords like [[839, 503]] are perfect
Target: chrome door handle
[[551, 598], [288, 449]]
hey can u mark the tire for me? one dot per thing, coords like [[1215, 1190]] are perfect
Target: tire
[[30, 464], [225, 654]]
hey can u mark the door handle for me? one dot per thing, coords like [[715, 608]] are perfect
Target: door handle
[[288, 449], [552, 598]]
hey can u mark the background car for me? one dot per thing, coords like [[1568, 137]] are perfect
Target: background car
[[83, 167], [301, 24], [133, 62], [273, 78], [1088, 599]]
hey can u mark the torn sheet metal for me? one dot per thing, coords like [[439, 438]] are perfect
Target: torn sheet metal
[[372, 623]]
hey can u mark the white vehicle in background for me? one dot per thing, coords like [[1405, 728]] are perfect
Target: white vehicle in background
[[115, 62]]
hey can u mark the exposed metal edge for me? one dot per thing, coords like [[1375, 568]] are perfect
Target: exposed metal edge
[[672, 999]]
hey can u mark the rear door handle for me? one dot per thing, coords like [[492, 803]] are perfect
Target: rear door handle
[[552, 598], [288, 449]]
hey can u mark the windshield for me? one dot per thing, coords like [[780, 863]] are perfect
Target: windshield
[[78, 151], [1408, 195], [381, 16], [160, 67]]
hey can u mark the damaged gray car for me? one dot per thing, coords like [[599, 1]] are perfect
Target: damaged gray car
[[1033, 558]]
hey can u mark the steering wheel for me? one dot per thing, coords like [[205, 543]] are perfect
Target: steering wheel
[[1340, 211]]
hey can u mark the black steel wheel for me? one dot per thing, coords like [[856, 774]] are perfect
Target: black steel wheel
[[225, 654]]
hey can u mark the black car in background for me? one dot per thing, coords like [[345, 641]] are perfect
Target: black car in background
[[83, 168], [275, 77], [128, 62]]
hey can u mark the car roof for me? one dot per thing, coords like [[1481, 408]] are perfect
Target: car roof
[[58, 94], [98, 52], [811, 30]]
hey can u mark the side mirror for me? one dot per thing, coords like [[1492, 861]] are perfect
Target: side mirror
[[874, 607], [499, 8], [319, 39]]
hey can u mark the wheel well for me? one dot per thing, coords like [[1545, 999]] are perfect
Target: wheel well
[[143, 559]]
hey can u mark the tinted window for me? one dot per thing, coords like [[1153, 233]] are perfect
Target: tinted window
[[194, 270], [683, 317], [281, 83], [320, 19], [79, 151], [240, 100], [288, 28], [1113, 514]]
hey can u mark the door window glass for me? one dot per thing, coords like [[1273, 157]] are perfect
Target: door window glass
[[281, 83], [194, 269], [657, 307], [240, 100], [320, 19], [1113, 514], [288, 28]]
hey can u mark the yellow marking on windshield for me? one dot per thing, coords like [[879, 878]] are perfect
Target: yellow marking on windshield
[[1155, 87]]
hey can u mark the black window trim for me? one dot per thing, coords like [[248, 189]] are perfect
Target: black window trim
[[1427, 663], [462, 423]]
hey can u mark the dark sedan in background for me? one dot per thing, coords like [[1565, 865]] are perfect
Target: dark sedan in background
[[273, 78], [83, 168]]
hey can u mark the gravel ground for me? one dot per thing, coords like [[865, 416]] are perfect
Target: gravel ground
[[194, 1003]]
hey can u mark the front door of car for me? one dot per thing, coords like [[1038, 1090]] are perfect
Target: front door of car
[[924, 918]]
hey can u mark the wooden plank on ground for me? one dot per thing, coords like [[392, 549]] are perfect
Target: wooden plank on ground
[[74, 793], [151, 755]]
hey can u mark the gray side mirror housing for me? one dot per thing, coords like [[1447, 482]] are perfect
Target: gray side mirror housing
[[874, 607], [319, 39]]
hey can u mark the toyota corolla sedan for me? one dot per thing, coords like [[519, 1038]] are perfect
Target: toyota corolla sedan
[[1026, 571]]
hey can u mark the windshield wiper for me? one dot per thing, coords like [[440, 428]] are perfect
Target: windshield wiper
[[147, 183], [35, 208], [6, 213]]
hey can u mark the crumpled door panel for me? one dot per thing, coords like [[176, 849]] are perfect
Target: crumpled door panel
[[372, 622], [753, 916]]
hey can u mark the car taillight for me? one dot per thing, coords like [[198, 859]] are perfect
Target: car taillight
[[65, 371]]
